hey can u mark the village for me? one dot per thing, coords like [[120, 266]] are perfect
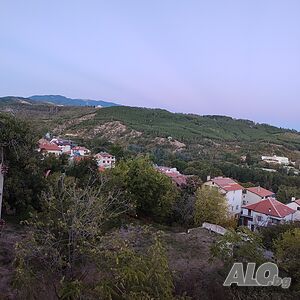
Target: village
[[58, 146], [253, 207]]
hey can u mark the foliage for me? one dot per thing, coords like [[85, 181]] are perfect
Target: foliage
[[241, 245], [137, 275], [54, 163], [193, 128], [64, 236], [86, 171], [285, 193], [270, 234], [210, 207], [24, 180], [70, 252], [184, 207], [287, 251], [151, 192]]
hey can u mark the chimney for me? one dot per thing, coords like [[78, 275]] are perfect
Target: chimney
[[293, 199], [208, 178]]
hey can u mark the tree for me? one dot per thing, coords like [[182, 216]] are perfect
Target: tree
[[249, 159], [151, 192], [184, 207], [73, 250], [86, 171], [210, 207], [287, 252], [25, 179], [138, 275], [64, 237], [117, 151], [241, 245], [285, 193]]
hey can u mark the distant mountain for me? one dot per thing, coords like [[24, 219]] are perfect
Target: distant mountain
[[62, 100], [11, 100]]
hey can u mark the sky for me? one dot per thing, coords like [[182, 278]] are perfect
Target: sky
[[239, 58]]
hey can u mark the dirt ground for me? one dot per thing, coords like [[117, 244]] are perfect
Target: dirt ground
[[9, 236], [189, 258]]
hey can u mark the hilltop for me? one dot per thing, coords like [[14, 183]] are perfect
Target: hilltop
[[62, 100], [188, 135]]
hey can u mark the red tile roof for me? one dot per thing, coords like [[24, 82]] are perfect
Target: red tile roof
[[260, 191], [179, 179], [271, 207], [227, 184], [297, 201], [49, 147], [103, 154]]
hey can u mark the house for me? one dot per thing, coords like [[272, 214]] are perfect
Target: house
[[50, 149], [179, 179], [231, 190], [295, 204], [105, 160], [64, 145], [281, 160], [264, 213], [254, 194], [81, 150]]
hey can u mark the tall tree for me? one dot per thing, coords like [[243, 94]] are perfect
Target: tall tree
[[210, 207], [24, 180]]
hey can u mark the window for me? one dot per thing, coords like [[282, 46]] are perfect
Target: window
[[259, 218], [237, 207], [232, 208], [244, 202], [298, 208]]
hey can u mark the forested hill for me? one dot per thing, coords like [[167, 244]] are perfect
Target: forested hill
[[155, 127], [194, 128]]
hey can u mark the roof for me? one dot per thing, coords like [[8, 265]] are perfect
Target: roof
[[103, 154], [260, 191], [168, 170], [227, 184], [271, 207], [297, 201], [49, 147], [179, 179], [80, 148]]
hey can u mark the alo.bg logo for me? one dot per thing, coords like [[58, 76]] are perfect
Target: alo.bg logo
[[266, 275]]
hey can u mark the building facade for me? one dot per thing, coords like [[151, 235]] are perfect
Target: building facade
[[254, 194], [231, 190], [105, 160], [265, 213]]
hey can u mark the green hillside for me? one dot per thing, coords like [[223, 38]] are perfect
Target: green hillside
[[193, 128]]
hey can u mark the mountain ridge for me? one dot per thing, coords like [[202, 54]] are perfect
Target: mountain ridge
[[62, 100]]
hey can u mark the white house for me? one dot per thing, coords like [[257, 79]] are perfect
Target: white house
[[254, 194], [50, 149], [266, 213], [105, 160], [276, 159], [295, 204], [231, 190], [82, 151]]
